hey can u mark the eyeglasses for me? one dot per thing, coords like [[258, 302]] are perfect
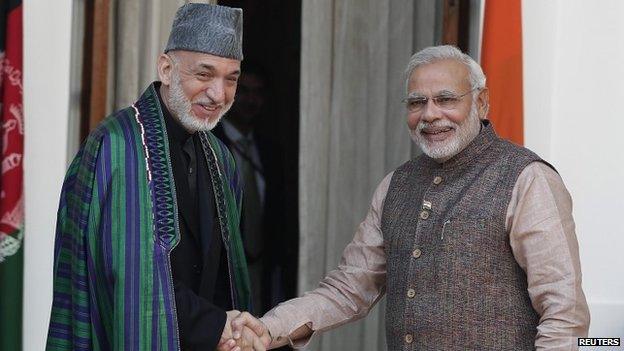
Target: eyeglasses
[[417, 104]]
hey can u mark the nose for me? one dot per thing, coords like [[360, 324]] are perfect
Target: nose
[[430, 112], [216, 91]]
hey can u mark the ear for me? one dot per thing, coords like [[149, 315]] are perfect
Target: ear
[[483, 103], [165, 66]]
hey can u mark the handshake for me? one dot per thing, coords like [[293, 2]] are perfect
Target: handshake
[[243, 332]]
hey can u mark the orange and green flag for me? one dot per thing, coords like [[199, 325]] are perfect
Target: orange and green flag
[[501, 59]]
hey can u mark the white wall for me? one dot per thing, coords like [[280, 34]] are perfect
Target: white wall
[[574, 96], [46, 100]]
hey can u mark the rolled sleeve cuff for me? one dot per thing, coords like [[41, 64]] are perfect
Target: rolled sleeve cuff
[[278, 331]]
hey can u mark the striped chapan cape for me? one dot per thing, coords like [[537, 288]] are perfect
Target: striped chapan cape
[[117, 225]]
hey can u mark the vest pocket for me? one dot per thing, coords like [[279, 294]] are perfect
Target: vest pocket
[[469, 253], [474, 235]]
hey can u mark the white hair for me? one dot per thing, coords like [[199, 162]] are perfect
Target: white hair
[[446, 52]]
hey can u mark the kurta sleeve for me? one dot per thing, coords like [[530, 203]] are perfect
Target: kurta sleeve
[[345, 294], [543, 240]]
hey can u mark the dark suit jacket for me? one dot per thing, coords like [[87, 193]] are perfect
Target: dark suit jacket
[[280, 242]]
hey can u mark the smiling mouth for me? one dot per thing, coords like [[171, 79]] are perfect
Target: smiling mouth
[[203, 111], [209, 108], [435, 131], [435, 134]]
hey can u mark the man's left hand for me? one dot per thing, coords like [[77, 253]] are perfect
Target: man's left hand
[[226, 343]]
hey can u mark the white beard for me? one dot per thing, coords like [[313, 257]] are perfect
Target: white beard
[[181, 108], [444, 150]]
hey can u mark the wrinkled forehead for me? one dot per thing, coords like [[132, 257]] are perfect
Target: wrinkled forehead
[[443, 76]]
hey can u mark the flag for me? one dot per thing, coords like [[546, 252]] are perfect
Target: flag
[[11, 178], [501, 59]]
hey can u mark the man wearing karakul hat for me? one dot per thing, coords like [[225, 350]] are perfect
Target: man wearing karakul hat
[[148, 251]]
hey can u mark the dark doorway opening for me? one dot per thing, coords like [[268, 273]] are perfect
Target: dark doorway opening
[[271, 49]]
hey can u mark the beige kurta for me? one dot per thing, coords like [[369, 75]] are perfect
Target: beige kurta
[[543, 240]]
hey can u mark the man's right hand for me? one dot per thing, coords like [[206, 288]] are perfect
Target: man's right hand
[[245, 324], [243, 332]]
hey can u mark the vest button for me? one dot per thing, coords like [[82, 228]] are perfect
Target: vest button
[[411, 293], [437, 180], [416, 253], [409, 338], [424, 214]]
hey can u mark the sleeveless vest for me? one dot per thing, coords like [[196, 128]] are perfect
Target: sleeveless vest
[[452, 280]]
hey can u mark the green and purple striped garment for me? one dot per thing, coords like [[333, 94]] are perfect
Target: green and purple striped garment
[[117, 224]]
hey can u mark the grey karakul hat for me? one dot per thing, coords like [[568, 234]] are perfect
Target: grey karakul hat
[[211, 29]]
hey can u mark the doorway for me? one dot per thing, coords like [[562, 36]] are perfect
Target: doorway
[[271, 49]]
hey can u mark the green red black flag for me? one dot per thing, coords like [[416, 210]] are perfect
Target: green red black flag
[[11, 177]]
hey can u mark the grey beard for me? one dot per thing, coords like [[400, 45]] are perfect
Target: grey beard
[[465, 133], [181, 109]]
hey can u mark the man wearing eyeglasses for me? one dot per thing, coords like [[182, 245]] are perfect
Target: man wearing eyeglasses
[[473, 242]]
